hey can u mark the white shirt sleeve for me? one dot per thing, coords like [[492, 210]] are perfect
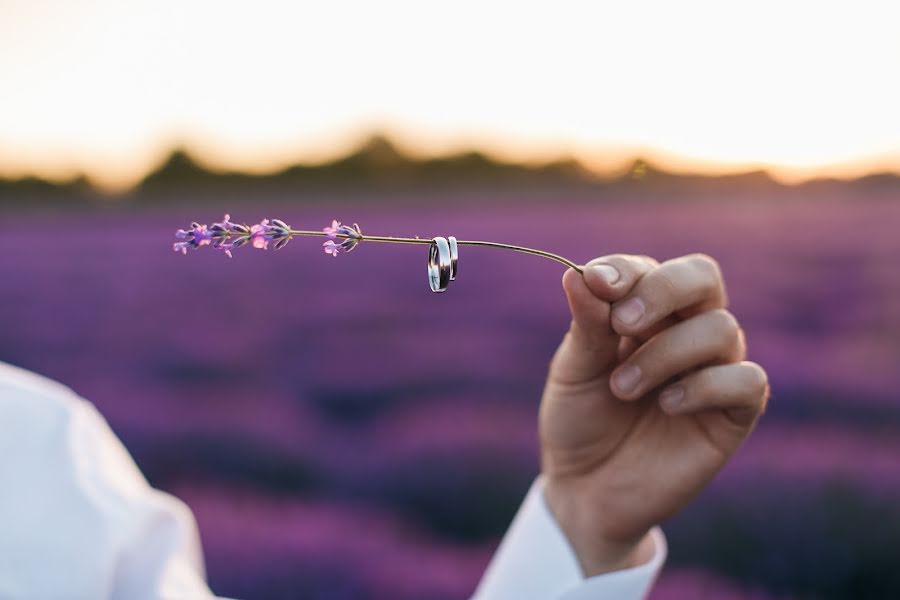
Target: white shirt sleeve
[[77, 518], [535, 560]]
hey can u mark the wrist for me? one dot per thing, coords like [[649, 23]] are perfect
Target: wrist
[[580, 521]]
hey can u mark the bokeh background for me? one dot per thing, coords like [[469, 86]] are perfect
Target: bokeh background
[[340, 431]]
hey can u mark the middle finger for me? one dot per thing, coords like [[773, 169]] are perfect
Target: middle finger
[[710, 337]]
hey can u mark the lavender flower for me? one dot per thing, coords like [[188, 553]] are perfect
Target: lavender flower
[[227, 235], [279, 231], [196, 237], [257, 237], [353, 236]]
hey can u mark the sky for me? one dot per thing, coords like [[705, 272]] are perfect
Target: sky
[[109, 87]]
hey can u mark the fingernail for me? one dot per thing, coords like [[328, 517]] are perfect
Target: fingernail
[[630, 311], [627, 378], [671, 397], [608, 272]]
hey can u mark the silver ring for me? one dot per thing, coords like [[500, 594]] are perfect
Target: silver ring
[[454, 257], [439, 264]]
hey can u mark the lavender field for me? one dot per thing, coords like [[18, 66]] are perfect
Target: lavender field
[[342, 432]]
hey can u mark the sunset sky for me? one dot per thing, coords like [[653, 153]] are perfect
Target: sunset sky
[[108, 87]]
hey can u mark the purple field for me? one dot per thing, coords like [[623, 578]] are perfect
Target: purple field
[[331, 420]]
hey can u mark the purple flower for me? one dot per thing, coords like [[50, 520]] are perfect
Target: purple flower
[[331, 248], [337, 229], [196, 237], [352, 236], [257, 235], [226, 227], [332, 231], [227, 236], [279, 231]]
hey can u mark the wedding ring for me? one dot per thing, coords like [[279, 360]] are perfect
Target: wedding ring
[[454, 256], [440, 265]]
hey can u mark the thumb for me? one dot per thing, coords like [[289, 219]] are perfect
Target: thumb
[[589, 349]]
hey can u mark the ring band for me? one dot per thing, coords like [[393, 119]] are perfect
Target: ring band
[[439, 264], [454, 256]]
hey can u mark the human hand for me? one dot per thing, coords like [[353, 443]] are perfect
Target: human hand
[[647, 398]]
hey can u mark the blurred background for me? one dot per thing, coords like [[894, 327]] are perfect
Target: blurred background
[[340, 431]]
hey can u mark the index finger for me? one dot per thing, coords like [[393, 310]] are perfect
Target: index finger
[[682, 286]]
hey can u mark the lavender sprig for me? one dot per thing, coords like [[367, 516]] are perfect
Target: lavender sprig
[[353, 237], [228, 236]]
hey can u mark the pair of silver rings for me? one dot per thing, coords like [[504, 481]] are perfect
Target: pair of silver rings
[[443, 255]]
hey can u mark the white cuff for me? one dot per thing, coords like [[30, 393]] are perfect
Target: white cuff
[[535, 560]]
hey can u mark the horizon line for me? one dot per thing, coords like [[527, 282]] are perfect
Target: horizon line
[[607, 163]]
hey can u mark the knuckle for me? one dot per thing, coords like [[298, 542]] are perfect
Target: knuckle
[[626, 264], [707, 263], [726, 324], [602, 259], [633, 262], [709, 270], [620, 258], [757, 381]]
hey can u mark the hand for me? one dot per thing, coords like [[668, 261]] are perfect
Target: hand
[[647, 398]]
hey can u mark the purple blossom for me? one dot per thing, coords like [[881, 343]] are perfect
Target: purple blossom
[[337, 229], [196, 237], [258, 235], [331, 248], [332, 230], [353, 236], [226, 227], [278, 231], [228, 236]]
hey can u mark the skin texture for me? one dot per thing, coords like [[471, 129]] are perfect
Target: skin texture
[[647, 398]]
